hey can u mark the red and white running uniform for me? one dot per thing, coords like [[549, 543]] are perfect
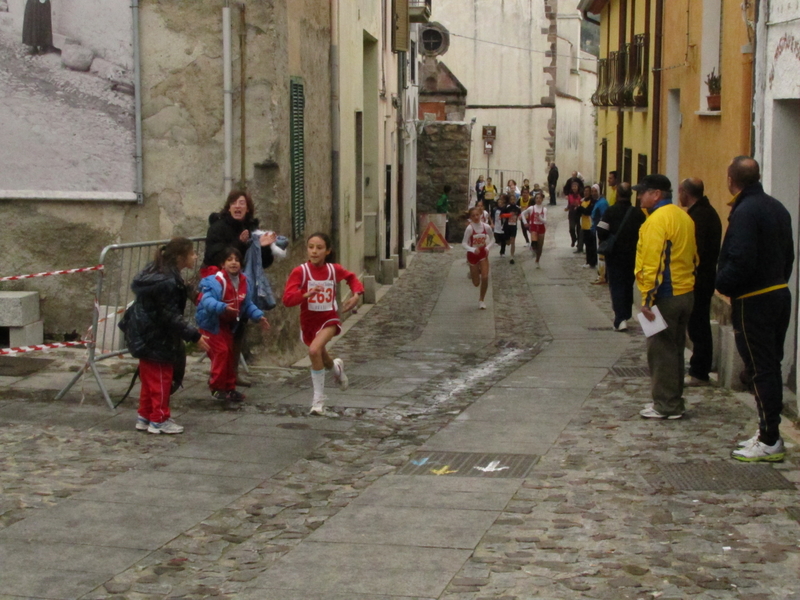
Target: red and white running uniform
[[319, 310], [536, 218], [478, 238]]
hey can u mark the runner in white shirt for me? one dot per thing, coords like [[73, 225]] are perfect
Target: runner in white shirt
[[535, 218], [485, 218], [478, 239]]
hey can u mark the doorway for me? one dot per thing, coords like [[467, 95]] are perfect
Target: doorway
[[673, 136]]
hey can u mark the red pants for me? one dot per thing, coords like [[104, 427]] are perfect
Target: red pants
[[156, 378], [223, 359]]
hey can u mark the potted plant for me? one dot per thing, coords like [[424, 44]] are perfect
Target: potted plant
[[714, 83]]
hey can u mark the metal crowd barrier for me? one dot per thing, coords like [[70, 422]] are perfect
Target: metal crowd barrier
[[120, 264]]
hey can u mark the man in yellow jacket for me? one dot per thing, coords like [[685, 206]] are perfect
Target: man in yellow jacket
[[666, 257]]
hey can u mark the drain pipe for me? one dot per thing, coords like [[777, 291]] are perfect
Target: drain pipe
[[335, 127], [137, 102], [227, 83], [243, 93]]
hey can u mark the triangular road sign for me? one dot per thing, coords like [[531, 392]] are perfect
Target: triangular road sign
[[432, 239]]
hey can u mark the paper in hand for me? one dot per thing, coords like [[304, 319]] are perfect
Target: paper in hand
[[650, 328]]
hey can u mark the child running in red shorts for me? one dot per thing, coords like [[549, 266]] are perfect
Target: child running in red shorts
[[478, 239], [312, 285], [535, 217]]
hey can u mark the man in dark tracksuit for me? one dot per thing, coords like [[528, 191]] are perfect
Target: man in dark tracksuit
[[708, 234], [754, 267], [621, 262]]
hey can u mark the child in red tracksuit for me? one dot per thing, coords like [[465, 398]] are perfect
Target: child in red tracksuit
[[313, 286], [222, 303]]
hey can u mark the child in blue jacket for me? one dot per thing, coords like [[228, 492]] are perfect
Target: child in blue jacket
[[222, 303]]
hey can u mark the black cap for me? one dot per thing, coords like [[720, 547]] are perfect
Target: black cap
[[653, 182]]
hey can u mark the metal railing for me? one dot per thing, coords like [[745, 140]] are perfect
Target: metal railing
[[121, 263]]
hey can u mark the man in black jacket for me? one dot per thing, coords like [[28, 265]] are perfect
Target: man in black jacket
[[552, 182], [621, 261], [708, 234], [754, 267]]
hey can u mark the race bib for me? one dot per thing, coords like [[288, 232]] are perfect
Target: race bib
[[479, 240], [322, 300]]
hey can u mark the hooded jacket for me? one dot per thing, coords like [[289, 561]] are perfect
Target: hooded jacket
[[216, 294], [154, 325]]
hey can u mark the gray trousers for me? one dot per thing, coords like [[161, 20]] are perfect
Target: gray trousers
[[665, 354]]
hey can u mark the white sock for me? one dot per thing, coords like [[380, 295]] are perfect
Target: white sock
[[318, 381]]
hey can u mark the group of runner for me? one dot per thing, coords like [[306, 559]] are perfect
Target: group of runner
[[496, 222]]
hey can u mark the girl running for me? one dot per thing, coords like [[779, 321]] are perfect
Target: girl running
[[155, 332], [485, 218], [524, 203], [499, 226], [477, 242], [535, 217], [221, 306], [510, 217], [313, 286]]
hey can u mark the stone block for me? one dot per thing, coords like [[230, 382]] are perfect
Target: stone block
[[387, 271], [395, 258], [730, 364], [18, 308], [370, 289], [27, 335], [404, 256], [715, 338], [76, 57]]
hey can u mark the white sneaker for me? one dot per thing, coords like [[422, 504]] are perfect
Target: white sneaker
[[623, 326], [339, 375], [649, 412], [318, 406], [169, 426], [142, 424], [748, 442], [760, 452], [587, 266], [690, 381], [482, 305], [537, 265]]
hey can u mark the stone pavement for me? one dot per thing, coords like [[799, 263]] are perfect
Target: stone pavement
[[478, 455]]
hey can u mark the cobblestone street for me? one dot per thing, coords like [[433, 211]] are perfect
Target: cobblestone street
[[477, 455]]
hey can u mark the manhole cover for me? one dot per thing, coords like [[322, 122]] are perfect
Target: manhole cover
[[294, 426], [794, 512], [724, 476], [631, 371], [356, 382], [22, 366], [470, 464]]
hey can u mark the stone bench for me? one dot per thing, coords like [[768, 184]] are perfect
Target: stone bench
[[20, 321]]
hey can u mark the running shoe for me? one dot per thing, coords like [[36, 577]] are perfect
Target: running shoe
[[760, 452], [235, 396], [169, 426], [219, 395], [142, 424], [339, 376], [482, 305], [651, 413]]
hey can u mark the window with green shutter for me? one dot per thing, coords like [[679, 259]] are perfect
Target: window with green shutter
[[298, 157]]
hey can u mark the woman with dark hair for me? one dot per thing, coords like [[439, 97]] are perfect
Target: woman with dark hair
[[37, 28], [233, 227]]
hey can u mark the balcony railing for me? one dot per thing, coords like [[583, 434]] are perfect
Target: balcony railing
[[622, 77], [419, 11]]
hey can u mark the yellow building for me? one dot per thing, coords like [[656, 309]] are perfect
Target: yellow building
[[653, 111]]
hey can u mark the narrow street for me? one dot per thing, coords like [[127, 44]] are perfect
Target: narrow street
[[478, 455]]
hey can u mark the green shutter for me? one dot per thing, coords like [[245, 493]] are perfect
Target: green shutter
[[298, 158]]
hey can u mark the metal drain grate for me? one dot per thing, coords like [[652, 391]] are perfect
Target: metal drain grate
[[793, 512], [631, 371], [470, 464], [357, 382], [723, 477]]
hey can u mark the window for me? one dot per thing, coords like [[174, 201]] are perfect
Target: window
[[413, 63], [627, 166], [359, 166], [641, 168], [298, 156], [435, 39]]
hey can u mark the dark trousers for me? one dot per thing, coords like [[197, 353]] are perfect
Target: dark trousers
[[620, 284], [700, 333], [500, 239], [553, 195], [665, 355], [575, 229], [590, 243], [759, 326]]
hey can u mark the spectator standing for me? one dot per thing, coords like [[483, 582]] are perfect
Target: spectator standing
[[611, 192], [708, 234], [480, 185], [37, 28], [599, 209], [576, 178], [623, 221], [489, 195], [552, 182], [573, 202], [755, 264], [666, 257], [586, 239]]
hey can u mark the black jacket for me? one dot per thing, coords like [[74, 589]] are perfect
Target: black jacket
[[223, 232], [627, 237], [552, 176], [568, 185], [154, 325], [708, 234], [757, 252]]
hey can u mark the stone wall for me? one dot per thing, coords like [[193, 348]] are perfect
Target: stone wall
[[443, 159]]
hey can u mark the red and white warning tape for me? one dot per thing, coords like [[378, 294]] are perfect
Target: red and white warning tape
[[48, 273], [39, 347]]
